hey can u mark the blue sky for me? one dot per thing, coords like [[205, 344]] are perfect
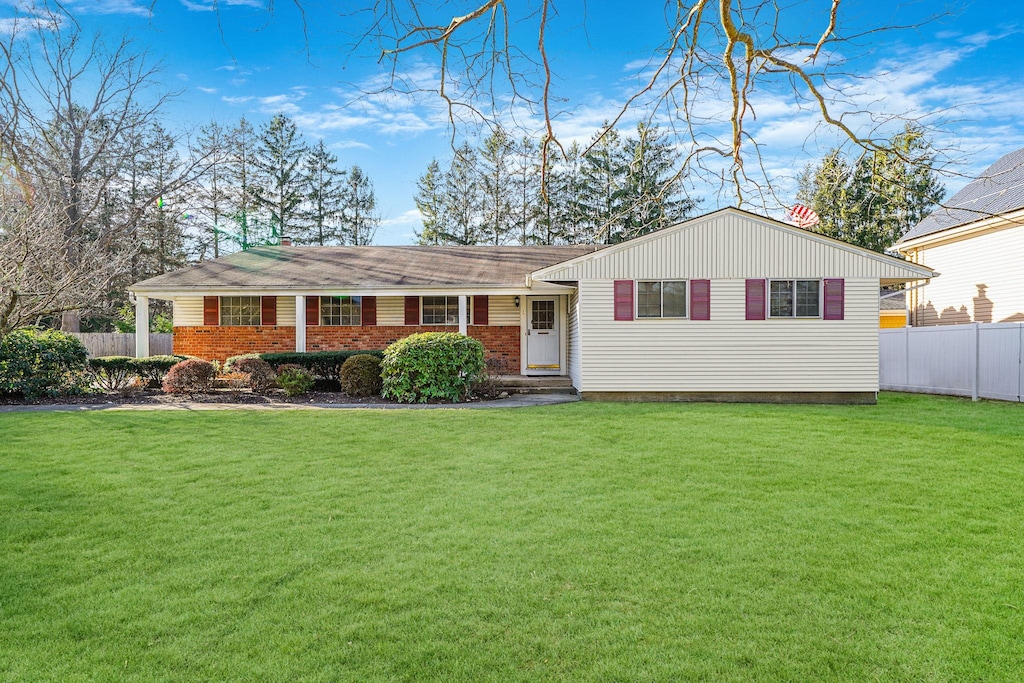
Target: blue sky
[[962, 71]]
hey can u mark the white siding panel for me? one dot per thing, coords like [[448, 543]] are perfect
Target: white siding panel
[[574, 357], [391, 310], [286, 311], [501, 310], [981, 280], [188, 311], [729, 353], [730, 245]]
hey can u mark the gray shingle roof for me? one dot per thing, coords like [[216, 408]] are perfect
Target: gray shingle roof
[[998, 190], [366, 267]]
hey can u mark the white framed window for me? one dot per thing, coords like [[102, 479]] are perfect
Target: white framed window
[[236, 311], [341, 310], [794, 299], [441, 310], [661, 299]]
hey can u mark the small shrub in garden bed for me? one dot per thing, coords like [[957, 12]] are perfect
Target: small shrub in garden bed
[[294, 379], [259, 374], [36, 363], [321, 364], [191, 377], [431, 365], [154, 368], [113, 373], [360, 375]]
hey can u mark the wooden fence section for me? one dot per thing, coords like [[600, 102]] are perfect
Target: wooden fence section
[[117, 344], [980, 360]]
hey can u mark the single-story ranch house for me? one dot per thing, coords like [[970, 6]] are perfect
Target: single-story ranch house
[[728, 306]]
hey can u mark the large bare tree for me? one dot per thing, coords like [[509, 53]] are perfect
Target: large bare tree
[[70, 107], [705, 82]]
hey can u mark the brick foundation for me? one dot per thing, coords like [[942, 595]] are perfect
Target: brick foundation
[[218, 343]]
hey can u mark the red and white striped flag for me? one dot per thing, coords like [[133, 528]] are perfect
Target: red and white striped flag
[[803, 216]]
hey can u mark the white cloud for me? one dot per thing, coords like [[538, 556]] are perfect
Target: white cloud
[[108, 7], [410, 217], [237, 100], [208, 91], [216, 5]]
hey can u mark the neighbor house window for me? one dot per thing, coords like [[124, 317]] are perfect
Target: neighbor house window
[[341, 310], [240, 310], [441, 310], [794, 299], [661, 299]]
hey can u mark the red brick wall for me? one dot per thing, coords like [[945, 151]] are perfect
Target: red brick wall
[[500, 341], [218, 343]]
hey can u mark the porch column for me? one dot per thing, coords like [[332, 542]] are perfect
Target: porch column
[[463, 318], [300, 322], [141, 326]]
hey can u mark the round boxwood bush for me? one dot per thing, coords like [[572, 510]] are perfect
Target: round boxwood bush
[[37, 363], [113, 373], [190, 377], [431, 365], [154, 368], [258, 371], [360, 375]]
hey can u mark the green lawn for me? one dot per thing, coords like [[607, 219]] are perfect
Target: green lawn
[[576, 542]]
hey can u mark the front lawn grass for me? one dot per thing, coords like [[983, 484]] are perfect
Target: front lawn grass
[[576, 542]]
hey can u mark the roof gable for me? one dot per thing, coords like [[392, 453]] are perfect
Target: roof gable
[[732, 243], [999, 189]]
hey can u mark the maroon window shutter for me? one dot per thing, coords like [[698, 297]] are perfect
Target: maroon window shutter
[[755, 299], [312, 310], [268, 310], [412, 310], [369, 310], [623, 299], [480, 308], [700, 299], [211, 310], [835, 291]]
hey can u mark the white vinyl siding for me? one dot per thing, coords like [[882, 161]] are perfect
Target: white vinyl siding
[[730, 245], [574, 359], [992, 260], [188, 311], [501, 310], [728, 352], [390, 310]]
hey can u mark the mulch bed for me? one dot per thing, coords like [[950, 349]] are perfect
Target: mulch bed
[[228, 396]]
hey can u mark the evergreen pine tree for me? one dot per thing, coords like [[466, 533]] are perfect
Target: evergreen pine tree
[[281, 183], [325, 197], [359, 219], [431, 205]]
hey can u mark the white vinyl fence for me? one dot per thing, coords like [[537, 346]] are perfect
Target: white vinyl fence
[[118, 344], [980, 360]]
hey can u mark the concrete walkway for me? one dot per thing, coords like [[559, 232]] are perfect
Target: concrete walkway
[[517, 401]]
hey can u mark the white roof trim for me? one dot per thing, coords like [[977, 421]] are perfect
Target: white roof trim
[[538, 288]]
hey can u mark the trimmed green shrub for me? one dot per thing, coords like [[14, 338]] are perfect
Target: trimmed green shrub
[[321, 364], [260, 376], [154, 368], [431, 365], [295, 380], [113, 373], [37, 363], [229, 364], [360, 375], [190, 377]]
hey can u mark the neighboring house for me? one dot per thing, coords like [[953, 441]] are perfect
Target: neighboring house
[[892, 309], [728, 306], [977, 243]]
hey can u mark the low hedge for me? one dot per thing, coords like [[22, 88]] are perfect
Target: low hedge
[[321, 364]]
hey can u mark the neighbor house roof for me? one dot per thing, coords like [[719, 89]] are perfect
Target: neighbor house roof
[[998, 190], [301, 268]]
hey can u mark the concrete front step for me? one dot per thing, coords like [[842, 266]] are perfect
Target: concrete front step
[[523, 381], [569, 390]]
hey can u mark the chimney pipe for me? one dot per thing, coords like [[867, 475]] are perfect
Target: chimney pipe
[[286, 241]]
